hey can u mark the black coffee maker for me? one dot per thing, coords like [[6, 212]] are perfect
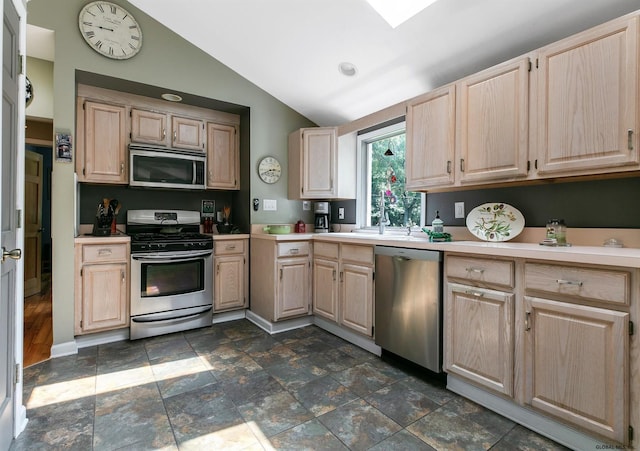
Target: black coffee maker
[[323, 213]]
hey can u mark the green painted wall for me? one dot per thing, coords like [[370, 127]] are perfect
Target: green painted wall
[[168, 61]]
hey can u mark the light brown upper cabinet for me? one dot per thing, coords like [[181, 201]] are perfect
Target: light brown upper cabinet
[[588, 101], [431, 139], [492, 138], [151, 127], [101, 155], [223, 159], [317, 168]]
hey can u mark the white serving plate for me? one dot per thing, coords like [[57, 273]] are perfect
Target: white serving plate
[[495, 221]]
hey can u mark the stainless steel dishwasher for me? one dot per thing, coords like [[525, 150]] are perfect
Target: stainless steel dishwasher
[[408, 293]]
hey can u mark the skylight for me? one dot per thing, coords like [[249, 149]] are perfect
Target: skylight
[[398, 11]]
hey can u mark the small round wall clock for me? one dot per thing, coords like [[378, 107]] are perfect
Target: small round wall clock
[[269, 170], [110, 30]]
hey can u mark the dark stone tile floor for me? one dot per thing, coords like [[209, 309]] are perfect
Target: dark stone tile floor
[[233, 386]]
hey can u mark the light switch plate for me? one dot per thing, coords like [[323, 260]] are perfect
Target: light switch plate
[[269, 204], [306, 205], [459, 209], [341, 213]]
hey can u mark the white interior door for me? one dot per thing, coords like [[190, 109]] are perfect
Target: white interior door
[[10, 235], [32, 223]]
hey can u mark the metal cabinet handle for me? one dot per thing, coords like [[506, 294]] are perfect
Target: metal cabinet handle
[[175, 135], [230, 247], [105, 251], [334, 274], [569, 282], [478, 270], [121, 168], [218, 270], [630, 139], [294, 251], [164, 133], [448, 166], [527, 325], [461, 164], [122, 276], [280, 273], [477, 294], [341, 276], [14, 254]]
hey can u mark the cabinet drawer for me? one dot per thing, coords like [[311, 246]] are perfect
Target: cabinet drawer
[[496, 272], [92, 253], [605, 285], [293, 248], [329, 250], [227, 247], [358, 254]]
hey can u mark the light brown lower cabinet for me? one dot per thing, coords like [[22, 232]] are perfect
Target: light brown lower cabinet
[[231, 278], [577, 365], [102, 285], [479, 336], [343, 285]]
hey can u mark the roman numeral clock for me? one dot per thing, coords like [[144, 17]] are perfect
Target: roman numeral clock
[[110, 30]]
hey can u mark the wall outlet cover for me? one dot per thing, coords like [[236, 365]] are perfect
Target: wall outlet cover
[[306, 205], [269, 204]]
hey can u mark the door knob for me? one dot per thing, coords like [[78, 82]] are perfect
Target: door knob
[[16, 254]]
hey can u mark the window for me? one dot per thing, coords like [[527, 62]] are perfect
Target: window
[[381, 162]]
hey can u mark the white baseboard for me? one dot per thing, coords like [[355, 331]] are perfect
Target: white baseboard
[[100, 338], [365, 343], [62, 349], [281, 326], [541, 424], [228, 316]]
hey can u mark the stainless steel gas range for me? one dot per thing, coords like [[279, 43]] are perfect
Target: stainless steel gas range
[[171, 272]]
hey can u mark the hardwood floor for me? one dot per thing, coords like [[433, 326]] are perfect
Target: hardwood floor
[[38, 324]]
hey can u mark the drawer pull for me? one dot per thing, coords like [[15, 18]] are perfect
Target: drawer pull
[[630, 139], [527, 326], [334, 274], [477, 294], [294, 251], [230, 247], [102, 252], [569, 282], [478, 270]]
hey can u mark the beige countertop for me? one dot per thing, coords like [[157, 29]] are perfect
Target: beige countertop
[[601, 255], [230, 236]]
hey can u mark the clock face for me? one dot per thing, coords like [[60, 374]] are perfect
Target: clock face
[[110, 30], [28, 91], [269, 170]]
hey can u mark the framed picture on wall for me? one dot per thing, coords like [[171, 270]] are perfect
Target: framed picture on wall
[[64, 147]]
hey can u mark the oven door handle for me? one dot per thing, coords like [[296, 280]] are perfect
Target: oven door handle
[[170, 257], [172, 318]]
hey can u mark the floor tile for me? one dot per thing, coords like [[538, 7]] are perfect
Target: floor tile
[[323, 395], [250, 387], [207, 418], [402, 404], [133, 415], [359, 425], [434, 390], [332, 360], [312, 436], [444, 429], [296, 373], [177, 344], [490, 421], [522, 439], [274, 414], [362, 379], [402, 441]]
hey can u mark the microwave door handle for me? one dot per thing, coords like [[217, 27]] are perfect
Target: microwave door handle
[[195, 172]]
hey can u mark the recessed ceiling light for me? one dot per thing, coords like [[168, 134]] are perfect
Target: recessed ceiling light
[[347, 69], [396, 13], [171, 97]]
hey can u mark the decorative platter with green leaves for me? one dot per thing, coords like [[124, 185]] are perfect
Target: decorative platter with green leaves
[[495, 222]]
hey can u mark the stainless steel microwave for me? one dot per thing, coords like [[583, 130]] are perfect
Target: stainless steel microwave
[[166, 168]]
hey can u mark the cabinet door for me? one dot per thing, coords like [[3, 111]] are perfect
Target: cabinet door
[[431, 126], [319, 158], [325, 288], [148, 127], [105, 148], [588, 100], [104, 297], [222, 157], [493, 123], [356, 296], [577, 365], [479, 336], [187, 133], [229, 283], [292, 287]]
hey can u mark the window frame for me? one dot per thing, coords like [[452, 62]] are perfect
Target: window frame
[[363, 176]]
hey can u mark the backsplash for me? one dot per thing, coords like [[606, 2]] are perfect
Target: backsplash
[[589, 204], [146, 198]]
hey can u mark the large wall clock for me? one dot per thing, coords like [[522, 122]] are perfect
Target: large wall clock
[[269, 170], [110, 30]]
